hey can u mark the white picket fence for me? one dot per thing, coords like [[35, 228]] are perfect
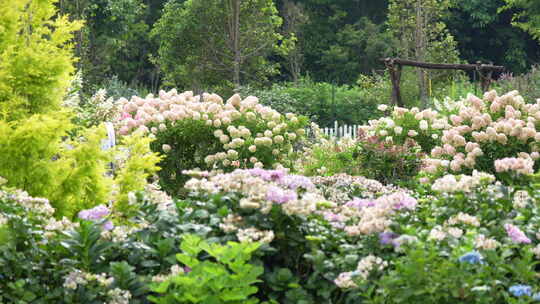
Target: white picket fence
[[341, 131]]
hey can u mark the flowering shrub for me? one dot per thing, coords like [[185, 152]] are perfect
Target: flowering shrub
[[207, 133], [295, 221], [341, 188], [472, 246], [388, 162], [83, 261], [424, 127], [97, 109], [337, 239], [327, 156], [496, 134]]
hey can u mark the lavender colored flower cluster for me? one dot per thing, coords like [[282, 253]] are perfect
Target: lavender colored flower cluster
[[387, 238], [95, 213], [359, 203], [516, 234], [280, 196], [290, 181]]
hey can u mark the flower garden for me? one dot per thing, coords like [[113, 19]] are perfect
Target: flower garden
[[202, 199]]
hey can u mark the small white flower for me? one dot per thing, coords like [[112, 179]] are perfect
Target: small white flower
[[382, 107]]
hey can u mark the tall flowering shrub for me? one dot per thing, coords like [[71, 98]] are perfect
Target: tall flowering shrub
[[496, 134], [206, 132], [401, 125]]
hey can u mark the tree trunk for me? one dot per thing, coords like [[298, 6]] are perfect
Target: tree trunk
[[236, 43], [420, 51]]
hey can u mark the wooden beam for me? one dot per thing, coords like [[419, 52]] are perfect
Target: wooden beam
[[395, 77], [443, 66]]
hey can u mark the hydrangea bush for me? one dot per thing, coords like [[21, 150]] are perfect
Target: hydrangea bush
[[206, 132], [496, 134], [401, 125], [303, 231]]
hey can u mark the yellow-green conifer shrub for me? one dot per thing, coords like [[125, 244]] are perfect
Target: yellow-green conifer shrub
[[80, 177], [134, 170], [27, 148], [36, 65], [36, 58], [71, 174]]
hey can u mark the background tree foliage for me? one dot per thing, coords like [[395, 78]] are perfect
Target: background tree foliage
[[419, 27], [218, 44], [139, 46], [528, 16]]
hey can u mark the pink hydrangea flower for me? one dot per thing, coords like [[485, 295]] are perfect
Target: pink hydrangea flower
[[516, 234]]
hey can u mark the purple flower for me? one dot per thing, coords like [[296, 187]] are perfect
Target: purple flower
[[280, 196], [516, 235], [360, 203], [276, 175], [267, 175], [95, 213], [108, 225], [387, 238], [297, 181], [405, 201], [333, 217]]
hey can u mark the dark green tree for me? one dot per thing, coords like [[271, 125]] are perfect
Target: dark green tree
[[218, 44], [344, 38], [485, 34]]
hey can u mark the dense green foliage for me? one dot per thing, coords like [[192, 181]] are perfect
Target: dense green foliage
[[213, 45], [228, 280], [323, 102], [146, 45]]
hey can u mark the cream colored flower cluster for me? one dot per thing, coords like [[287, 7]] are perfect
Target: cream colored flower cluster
[[364, 268], [425, 125], [497, 124], [121, 233], [521, 199], [461, 183], [255, 235], [485, 243], [455, 228], [175, 270], [336, 188], [261, 190], [39, 206], [243, 127], [367, 216], [77, 277]]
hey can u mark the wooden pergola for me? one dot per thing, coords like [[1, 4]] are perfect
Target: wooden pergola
[[395, 65]]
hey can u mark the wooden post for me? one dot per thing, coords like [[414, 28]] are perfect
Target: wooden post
[[486, 79], [395, 77]]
